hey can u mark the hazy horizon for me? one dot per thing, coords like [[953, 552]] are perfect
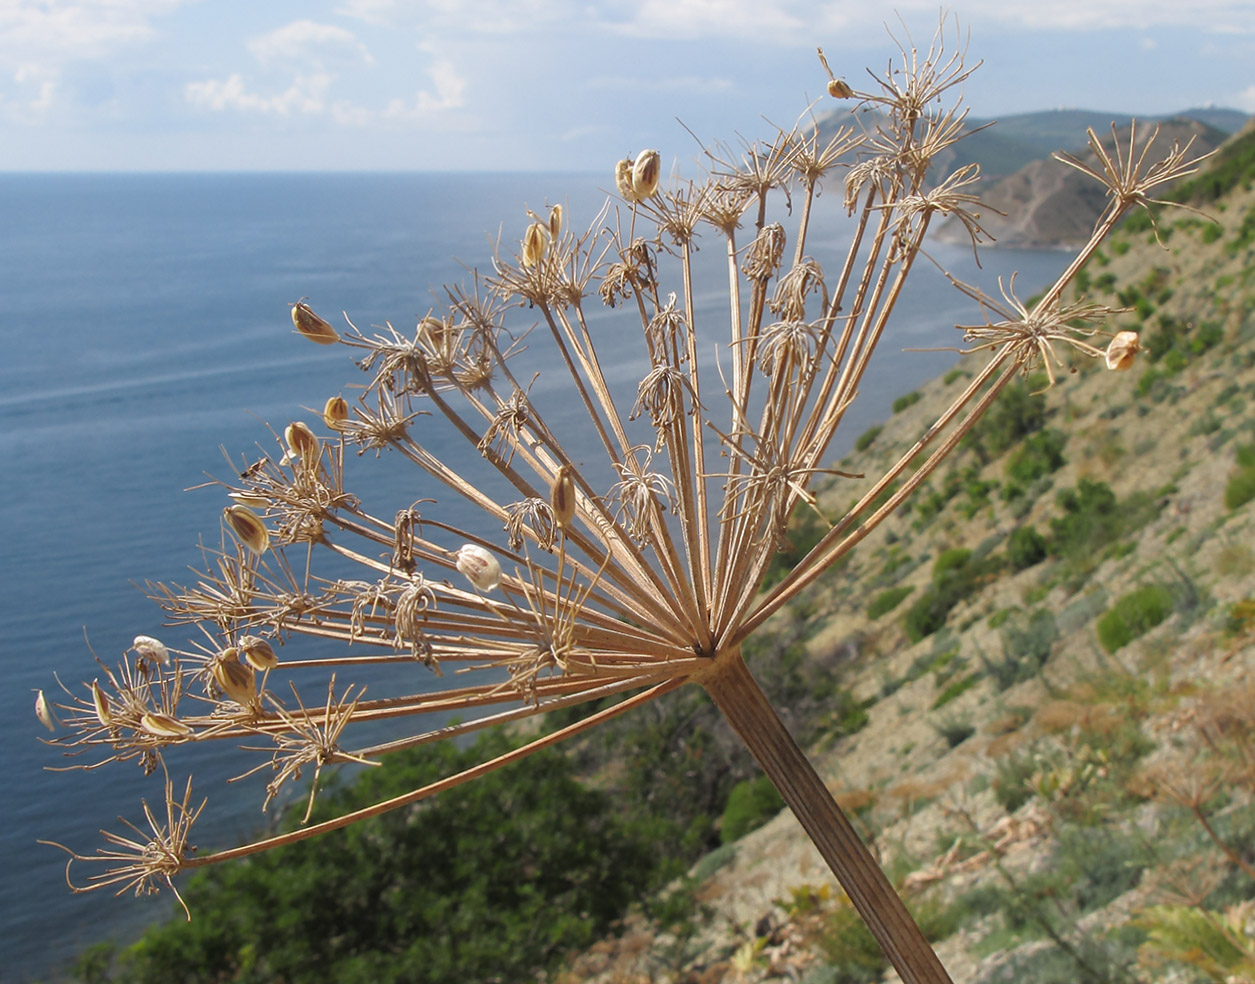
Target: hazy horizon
[[545, 85]]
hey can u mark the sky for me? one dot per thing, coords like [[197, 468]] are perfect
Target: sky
[[524, 85]]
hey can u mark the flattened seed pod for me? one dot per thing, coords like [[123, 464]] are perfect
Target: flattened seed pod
[[562, 497], [246, 525], [481, 568], [645, 173], [1122, 350], [335, 412], [163, 725], [146, 647], [623, 179], [555, 223], [301, 441], [236, 679], [103, 714], [311, 326], [257, 653], [43, 711], [839, 90], [535, 241]]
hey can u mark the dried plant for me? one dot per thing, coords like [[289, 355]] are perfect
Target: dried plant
[[633, 577]]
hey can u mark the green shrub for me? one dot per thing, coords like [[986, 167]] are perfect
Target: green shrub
[[1133, 615], [908, 400], [1240, 488], [887, 601], [1025, 547], [493, 879], [1011, 780], [865, 439], [750, 805], [952, 375], [1027, 641], [955, 731], [957, 574], [1018, 412], [1039, 455], [955, 689]]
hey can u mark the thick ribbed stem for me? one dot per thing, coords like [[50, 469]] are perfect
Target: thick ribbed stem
[[751, 715]]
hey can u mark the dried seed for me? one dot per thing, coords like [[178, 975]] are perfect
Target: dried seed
[[839, 90], [248, 499], [562, 497], [163, 725], [43, 711], [535, 241], [257, 653], [146, 647], [103, 714], [1122, 350], [480, 567], [623, 179], [311, 326], [246, 525], [645, 173], [234, 677], [555, 223], [301, 441], [335, 412]]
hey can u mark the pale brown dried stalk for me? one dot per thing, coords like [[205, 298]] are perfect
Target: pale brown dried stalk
[[586, 579]]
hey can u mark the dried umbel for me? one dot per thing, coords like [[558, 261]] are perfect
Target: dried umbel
[[616, 556]]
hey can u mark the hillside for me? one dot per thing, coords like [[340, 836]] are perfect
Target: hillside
[[1051, 656], [1047, 204]]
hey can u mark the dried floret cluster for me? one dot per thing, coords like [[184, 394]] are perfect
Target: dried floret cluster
[[573, 589]]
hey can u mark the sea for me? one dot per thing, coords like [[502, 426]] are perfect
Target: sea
[[146, 340]]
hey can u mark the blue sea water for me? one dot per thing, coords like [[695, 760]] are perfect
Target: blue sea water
[[144, 325]]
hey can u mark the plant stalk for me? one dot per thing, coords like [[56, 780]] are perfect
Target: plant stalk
[[751, 716]]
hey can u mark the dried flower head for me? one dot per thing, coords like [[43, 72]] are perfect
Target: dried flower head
[[637, 564]]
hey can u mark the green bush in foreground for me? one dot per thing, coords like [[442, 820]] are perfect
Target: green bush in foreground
[[492, 880], [1133, 615]]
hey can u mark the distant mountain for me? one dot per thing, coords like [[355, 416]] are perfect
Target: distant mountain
[[1047, 204], [1009, 143]]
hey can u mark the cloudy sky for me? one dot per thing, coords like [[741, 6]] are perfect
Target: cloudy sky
[[543, 84]]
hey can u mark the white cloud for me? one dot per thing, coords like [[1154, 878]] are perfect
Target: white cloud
[[53, 32], [1245, 100], [306, 95], [38, 40], [307, 42]]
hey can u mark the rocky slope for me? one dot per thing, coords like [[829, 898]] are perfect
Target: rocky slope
[[1020, 760]]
